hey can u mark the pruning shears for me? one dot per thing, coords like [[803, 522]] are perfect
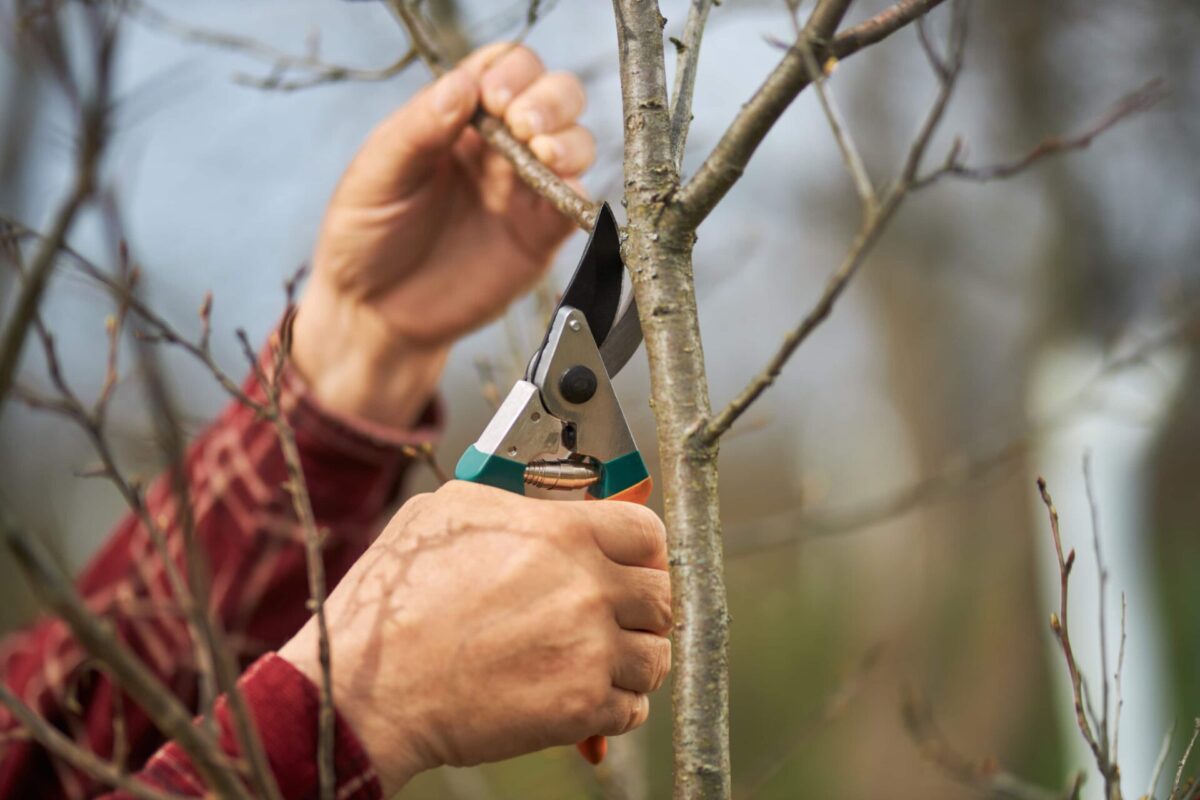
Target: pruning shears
[[561, 427]]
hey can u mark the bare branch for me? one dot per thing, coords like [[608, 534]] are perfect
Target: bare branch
[[849, 150], [1187, 754], [61, 746], [832, 707], [528, 167], [1160, 763], [1136, 102], [92, 124], [728, 159], [1059, 624], [317, 72], [129, 672], [687, 59], [984, 776], [1102, 592]]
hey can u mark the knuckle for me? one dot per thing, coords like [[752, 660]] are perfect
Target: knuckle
[[661, 666], [651, 533], [637, 713]]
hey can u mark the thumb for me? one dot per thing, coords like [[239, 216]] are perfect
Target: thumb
[[410, 143]]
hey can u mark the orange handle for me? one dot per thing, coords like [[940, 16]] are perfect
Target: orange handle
[[594, 748]]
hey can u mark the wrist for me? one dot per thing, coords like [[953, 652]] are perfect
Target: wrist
[[396, 757], [356, 366]]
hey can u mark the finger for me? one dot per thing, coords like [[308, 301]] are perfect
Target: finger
[[643, 661], [643, 600], [551, 104], [623, 711], [568, 152], [414, 140], [626, 533], [509, 73]]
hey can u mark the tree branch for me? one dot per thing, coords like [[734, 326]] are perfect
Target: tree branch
[[1059, 624], [128, 671], [66, 749], [983, 775], [319, 73], [687, 59], [728, 160], [529, 168]]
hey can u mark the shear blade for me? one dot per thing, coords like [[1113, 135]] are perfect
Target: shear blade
[[600, 291]]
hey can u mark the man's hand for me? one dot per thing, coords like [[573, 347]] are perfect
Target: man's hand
[[430, 234], [483, 625]]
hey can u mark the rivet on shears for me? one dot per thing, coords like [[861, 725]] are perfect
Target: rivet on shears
[[574, 325]]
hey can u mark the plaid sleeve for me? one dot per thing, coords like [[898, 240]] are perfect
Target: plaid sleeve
[[284, 704], [250, 536]]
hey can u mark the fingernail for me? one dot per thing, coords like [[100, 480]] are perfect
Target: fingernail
[[549, 151], [450, 95], [498, 99], [528, 124]]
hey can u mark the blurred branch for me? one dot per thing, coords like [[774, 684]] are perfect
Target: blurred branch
[[1178, 784], [528, 167], [728, 159], [297, 487], [876, 216], [282, 63], [93, 116], [815, 723], [1160, 763], [985, 776], [793, 528], [1102, 595], [167, 714], [61, 746], [687, 59], [1134, 103]]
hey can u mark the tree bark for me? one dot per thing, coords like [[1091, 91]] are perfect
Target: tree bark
[[658, 252]]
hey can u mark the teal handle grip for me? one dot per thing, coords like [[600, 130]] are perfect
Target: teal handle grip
[[492, 470], [622, 473]]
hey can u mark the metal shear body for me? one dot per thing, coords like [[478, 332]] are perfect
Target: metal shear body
[[561, 427]]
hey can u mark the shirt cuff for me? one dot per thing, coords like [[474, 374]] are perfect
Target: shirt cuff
[[285, 706]]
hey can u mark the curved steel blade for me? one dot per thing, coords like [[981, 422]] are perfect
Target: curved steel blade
[[624, 337], [596, 290]]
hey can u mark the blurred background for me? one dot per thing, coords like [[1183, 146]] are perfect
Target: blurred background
[[884, 534]]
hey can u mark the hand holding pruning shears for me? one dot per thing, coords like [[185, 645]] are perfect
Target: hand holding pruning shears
[[482, 625]]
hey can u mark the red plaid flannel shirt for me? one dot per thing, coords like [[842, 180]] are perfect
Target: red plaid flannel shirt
[[253, 543]]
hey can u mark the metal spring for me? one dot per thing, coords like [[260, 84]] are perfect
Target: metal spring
[[567, 474]]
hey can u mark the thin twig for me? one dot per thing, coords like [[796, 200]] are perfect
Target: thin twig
[[687, 60], [297, 488], [849, 150], [1160, 763], [37, 276], [1102, 592], [63, 747], [155, 700], [728, 159], [319, 73], [815, 723], [1133, 103], [1187, 754], [1059, 624], [1116, 729], [985, 775], [529, 168], [876, 216]]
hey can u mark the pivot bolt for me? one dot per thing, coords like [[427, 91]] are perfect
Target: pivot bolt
[[577, 384]]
